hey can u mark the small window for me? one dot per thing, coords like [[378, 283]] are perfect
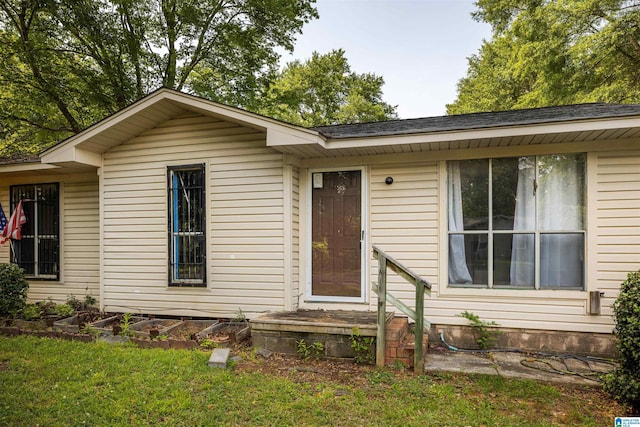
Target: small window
[[187, 253], [38, 252], [517, 222]]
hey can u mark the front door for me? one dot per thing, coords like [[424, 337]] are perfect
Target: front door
[[336, 233]]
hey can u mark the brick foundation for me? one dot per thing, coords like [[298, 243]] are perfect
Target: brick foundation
[[399, 347]]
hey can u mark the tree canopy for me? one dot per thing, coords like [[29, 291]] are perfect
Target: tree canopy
[[324, 91], [68, 63], [553, 52]]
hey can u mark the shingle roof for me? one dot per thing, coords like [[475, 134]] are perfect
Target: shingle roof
[[19, 160], [529, 116]]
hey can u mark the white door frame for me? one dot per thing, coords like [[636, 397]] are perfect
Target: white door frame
[[363, 237]]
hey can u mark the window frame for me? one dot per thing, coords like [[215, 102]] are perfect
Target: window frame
[[537, 232], [37, 236], [173, 281]]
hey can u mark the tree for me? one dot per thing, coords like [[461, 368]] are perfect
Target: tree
[[549, 52], [68, 63], [323, 91]]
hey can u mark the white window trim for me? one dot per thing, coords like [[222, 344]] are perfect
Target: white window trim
[[443, 288]]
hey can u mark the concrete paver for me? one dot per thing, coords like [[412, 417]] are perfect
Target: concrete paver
[[219, 358], [517, 365]]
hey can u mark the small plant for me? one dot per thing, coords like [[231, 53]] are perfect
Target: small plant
[[13, 290], [74, 302], [240, 316], [305, 351], [162, 337], [125, 326], [89, 302], [207, 343], [485, 338], [624, 382], [363, 347], [31, 312], [317, 350], [399, 365], [64, 310], [87, 329], [48, 307]]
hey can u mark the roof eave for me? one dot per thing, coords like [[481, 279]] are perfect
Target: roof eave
[[485, 132], [78, 149], [31, 166]]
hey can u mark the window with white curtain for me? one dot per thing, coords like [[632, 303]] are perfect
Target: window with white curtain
[[517, 222]]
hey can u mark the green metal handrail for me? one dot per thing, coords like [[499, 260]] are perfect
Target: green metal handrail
[[421, 285]]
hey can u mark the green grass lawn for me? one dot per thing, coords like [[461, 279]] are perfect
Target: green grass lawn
[[51, 382]]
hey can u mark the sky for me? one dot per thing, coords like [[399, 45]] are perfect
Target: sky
[[419, 47]]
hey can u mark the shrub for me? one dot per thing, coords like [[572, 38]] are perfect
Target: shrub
[[89, 302], [47, 307], [74, 302], [64, 310], [13, 289], [31, 312], [624, 382]]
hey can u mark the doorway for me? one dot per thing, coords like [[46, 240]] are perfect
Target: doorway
[[336, 236]]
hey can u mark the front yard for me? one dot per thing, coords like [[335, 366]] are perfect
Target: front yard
[[54, 382]]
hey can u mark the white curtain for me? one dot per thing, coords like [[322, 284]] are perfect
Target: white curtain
[[560, 207], [560, 204], [458, 270], [523, 247]]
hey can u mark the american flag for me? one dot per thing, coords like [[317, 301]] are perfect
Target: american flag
[[12, 229], [3, 219]]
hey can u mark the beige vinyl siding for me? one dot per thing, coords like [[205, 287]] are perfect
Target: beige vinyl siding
[[79, 234], [244, 182], [517, 311], [295, 235], [404, 222], [618, 222], [408, 221]]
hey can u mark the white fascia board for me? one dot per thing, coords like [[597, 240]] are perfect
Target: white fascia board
[[278, 137], [497, 132], [189, 102], [73, 155], [26, 167], [107, 123]]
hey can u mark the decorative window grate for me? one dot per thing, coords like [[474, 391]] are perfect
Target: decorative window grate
[[187, 237], [38, 252]]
